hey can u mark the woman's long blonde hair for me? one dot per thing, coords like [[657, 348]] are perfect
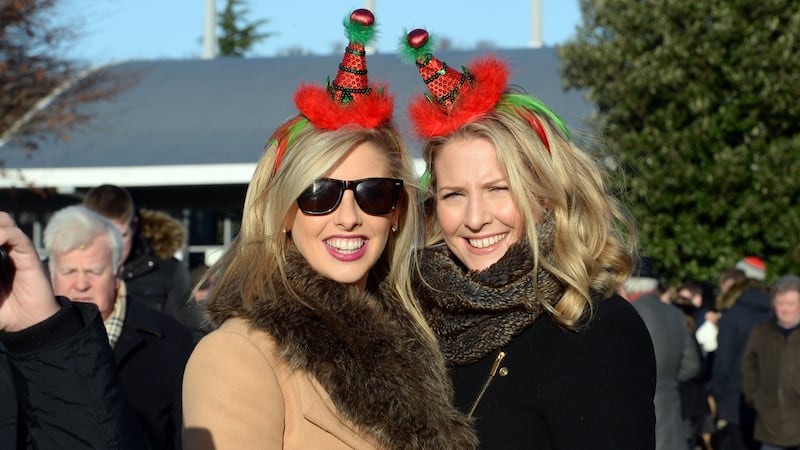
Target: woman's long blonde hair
[[255, 259], [595, 238]]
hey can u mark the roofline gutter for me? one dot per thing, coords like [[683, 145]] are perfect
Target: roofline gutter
[[69, 179]]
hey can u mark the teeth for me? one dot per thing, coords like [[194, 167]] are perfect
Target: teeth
[[485, 242], [345, 245]]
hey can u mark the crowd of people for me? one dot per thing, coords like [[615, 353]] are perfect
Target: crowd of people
[[732, 370], [499, 301]]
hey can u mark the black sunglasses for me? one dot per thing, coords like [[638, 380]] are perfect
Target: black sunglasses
[[375, 196]]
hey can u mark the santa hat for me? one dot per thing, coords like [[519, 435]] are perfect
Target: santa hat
[[753, 267]]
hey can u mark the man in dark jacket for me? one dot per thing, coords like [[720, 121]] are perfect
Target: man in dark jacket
[[58, 388], [770, 371], [154, 278], [151, 348]]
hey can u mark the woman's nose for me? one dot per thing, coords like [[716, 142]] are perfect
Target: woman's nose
[[348, 214], [477, 214]]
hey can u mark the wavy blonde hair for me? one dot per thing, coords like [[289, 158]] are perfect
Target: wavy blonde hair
[[595, 237], [247, 269]]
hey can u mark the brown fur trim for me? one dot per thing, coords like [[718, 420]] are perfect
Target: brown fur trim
[[166, 233], [379, 370], [727, 299]]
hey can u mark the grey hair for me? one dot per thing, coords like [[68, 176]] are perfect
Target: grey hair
[[76, 226], [635, 285], [786, 283]]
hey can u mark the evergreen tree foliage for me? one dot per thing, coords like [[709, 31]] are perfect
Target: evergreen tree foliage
[[701, 102], [238, 36]]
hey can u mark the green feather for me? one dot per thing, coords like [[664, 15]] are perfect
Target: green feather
[[412, 55], [291, 131], [534, 104], [425, 179], [358, 33]]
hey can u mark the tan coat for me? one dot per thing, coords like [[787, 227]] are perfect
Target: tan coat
[[239, 394], [343, 368]]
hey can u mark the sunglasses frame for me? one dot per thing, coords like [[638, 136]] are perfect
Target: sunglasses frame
[[344, 185]]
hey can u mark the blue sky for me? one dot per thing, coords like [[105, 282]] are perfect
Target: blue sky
[[116, 30]]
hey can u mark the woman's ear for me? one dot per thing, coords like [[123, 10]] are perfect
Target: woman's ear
[[288, 221], [394, 219]]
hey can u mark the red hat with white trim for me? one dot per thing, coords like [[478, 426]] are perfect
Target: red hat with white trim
[[753, 267]]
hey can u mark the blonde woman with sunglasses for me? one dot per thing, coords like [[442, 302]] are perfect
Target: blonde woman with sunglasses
[[320, 342]]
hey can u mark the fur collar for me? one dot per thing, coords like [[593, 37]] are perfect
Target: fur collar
[[477, 312], [364, 349]]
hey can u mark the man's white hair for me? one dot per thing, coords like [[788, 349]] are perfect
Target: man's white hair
[[76, 226], [635, 285]]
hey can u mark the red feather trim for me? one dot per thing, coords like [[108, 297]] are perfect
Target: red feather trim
[[281, 136], [369, 111], [490, 81], [535, 124]]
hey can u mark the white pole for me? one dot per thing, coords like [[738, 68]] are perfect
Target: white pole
[[210, 30], [536, 24], [371, 5]]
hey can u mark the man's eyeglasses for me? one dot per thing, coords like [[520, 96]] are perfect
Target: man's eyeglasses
[[375, 196]]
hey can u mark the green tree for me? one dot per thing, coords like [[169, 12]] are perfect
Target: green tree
[[700, 102], [238, 36]]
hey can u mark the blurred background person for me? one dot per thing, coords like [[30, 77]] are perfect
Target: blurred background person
[[58, 386], [691, 298], [153, 276], [151, 348], [771, 369], [741, 306], [677, 359]]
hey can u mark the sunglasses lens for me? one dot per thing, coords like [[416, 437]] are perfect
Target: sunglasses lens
[[320, 198], [378, 196]]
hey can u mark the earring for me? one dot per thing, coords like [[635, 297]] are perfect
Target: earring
[[394, 228]]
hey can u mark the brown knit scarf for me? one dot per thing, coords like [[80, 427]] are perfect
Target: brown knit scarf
[[476, 312]]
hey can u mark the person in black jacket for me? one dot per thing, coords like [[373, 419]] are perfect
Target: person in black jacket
[[151, 348], [521, 266], [153, 276], [58, 388], [735, 419]]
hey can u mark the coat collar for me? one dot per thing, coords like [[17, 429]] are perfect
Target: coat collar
[[364, 349], [139, 321]]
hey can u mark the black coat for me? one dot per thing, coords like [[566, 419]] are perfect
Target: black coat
[[591, 389], [735, 326], [58, 388], [161, 284], [151, 355]]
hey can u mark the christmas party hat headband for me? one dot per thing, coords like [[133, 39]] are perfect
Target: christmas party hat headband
[[349, 99], [458, 98]]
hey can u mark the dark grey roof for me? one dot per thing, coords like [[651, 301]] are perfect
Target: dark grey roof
[[221, 111]]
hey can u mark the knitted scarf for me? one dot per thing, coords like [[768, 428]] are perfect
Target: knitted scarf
[[477, 312]]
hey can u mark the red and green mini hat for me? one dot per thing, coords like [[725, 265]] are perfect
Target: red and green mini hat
[[457, 98], [349, 99]]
